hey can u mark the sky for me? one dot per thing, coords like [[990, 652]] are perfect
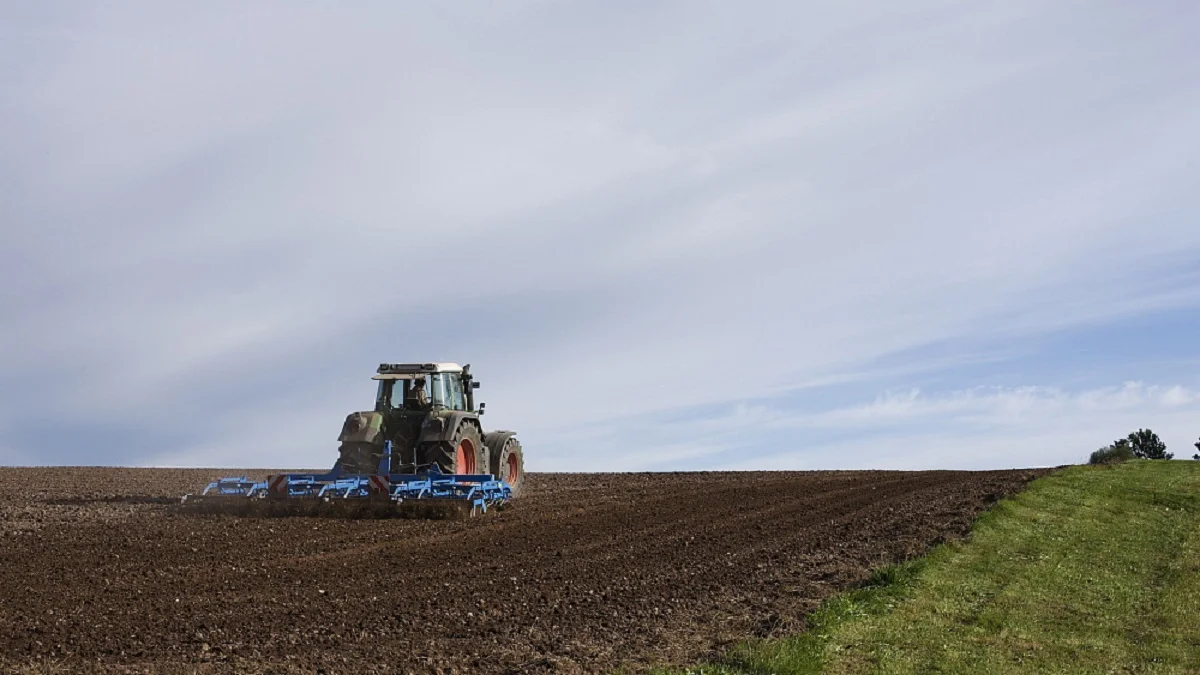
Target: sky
[[666, 235]]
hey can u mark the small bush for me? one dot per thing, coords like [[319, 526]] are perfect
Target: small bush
[[1147, 445], [1112, 454], [1141, 444]]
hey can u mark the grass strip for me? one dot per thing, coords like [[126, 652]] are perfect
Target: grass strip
[[1088, 570]]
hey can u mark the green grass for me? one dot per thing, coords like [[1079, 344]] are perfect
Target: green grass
[[1089, 570]]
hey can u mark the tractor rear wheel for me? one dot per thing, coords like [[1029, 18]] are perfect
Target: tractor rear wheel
[[464, 454], [508, 464]]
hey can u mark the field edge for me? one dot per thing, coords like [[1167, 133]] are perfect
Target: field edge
[[804, 652], [1140, 492]]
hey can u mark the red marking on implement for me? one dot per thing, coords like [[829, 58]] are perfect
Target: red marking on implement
[[277, 486], [379, 485]]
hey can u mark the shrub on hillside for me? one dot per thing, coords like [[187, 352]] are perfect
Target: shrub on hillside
[[1141, 444], [1112, 454], [1147, 445]]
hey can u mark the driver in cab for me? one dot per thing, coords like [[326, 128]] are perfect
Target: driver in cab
[[416, 397]]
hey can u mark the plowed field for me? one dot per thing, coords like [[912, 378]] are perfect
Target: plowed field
[[584, 573]]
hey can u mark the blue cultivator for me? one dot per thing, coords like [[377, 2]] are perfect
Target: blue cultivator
[[336, 492]]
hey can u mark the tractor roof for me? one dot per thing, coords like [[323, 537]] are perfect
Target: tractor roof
[[407, 371]]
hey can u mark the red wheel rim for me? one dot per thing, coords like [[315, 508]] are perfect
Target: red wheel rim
[[464, 457], [514, 468]]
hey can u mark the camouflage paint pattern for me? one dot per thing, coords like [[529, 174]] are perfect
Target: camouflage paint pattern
[[363, 427]]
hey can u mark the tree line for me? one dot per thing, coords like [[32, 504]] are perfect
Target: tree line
[[1140, 444]]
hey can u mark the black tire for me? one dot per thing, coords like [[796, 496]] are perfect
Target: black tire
[[446, 455], [508, 463], [359, 458]]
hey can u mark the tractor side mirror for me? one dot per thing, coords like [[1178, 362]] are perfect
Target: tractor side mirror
[[481, 407], [474, 385]]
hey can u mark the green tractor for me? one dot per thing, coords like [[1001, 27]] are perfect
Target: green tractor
[[428, 412]]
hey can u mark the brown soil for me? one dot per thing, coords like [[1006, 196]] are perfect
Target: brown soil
[[99, 570]]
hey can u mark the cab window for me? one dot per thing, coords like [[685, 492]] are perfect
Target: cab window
[[447, 391], [454, 385], [437, 391], [381, 396], [391, 395]]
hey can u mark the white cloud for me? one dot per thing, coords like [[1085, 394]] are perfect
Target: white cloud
[[1178, 396]]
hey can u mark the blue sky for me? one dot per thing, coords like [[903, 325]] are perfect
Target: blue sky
[[667, 235]]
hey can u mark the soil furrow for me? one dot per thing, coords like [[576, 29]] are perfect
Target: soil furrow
[[584, 573]]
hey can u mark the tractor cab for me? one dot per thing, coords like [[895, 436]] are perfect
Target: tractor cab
[[446, 386]]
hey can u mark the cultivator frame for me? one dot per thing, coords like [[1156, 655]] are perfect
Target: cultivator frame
[[382, 492]]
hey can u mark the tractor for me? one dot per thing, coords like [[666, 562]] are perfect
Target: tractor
[[428, 412], [422, 446]]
